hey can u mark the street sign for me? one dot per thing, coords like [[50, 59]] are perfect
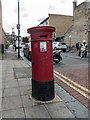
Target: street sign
[[13, 35], [18, 26]]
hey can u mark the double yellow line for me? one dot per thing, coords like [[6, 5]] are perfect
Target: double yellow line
[[66, 80]]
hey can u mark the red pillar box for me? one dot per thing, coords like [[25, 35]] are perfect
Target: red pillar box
[[42, 62]]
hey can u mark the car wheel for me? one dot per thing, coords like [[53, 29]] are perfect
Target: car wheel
[[58, 60], [55, 48], [65, 50]]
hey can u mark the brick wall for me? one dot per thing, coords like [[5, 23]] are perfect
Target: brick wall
[[79, 30], [1, 31], [61, 22], [0, 24]]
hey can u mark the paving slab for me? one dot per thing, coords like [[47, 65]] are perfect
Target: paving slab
[[10, 76], [23, 79], [3, 78], [0, 77], [3, 86], [0, 85], [0, 104], [11, 103], [24, 64], [0, 115], [11, 92], [24, 89], [0, 92], [80, 111], [11, 84], [10, 80], [36, 112], [20, 80], [26, 101], [59, 110], [22, 72], [10, 73], [24, 82], [16, 113]]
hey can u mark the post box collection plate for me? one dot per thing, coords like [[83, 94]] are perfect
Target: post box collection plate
[[43, 46]]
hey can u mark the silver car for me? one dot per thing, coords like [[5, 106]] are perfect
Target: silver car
[[59, 46]]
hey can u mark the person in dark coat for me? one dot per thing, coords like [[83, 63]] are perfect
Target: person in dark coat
[[77, 46]]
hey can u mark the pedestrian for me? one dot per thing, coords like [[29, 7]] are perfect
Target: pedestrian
[[84, 48], [77, 46], [79, 50], [84, 43], [6, 45], [15, 45]]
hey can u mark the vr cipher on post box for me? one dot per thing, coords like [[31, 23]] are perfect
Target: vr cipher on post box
[[42, 62]]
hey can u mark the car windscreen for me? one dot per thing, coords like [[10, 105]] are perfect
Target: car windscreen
[[63, 43]]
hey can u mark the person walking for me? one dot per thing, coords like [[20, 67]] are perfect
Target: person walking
[[84, 48], [79, 50], [77, 46]]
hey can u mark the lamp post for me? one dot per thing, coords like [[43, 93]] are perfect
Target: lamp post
[[12, 30], [18, 27], [70, 41]]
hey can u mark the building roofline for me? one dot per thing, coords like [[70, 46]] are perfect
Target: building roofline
[[53, 14], [44, 20], [61, 15], [80, 4]]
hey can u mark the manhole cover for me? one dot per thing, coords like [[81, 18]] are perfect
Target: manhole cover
[[24, 72]]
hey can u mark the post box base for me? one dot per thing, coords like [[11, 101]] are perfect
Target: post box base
[[43, 91]]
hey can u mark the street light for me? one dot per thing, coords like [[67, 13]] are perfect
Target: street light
[[18, 27], [70, 41], [12, 30]]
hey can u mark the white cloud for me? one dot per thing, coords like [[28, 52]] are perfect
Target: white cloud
[[51, 8], [31, 11]]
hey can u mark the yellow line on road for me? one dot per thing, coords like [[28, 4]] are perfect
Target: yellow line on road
[[78, 85], [70, 85]]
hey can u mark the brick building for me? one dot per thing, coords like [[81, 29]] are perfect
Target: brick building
[[89, 25], [1, 31], [79, 30], [61, 22]]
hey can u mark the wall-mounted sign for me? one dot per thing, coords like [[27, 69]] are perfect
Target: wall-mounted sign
[[18, 26], [43, 46]]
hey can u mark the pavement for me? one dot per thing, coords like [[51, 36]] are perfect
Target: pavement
[[15, 95]]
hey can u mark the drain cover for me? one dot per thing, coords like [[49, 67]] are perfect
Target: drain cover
[[24, 72]]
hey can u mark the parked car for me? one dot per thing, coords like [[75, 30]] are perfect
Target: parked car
[[27, 50], [59, 46]]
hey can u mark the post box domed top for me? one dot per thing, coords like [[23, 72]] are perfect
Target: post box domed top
[[41, 29]]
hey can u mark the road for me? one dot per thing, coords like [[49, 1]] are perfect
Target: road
[[72, 75]]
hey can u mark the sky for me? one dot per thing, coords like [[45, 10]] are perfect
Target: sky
[[32, 12]]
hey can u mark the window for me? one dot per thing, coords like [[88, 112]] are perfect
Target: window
[[89, 25], [88, 3]]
